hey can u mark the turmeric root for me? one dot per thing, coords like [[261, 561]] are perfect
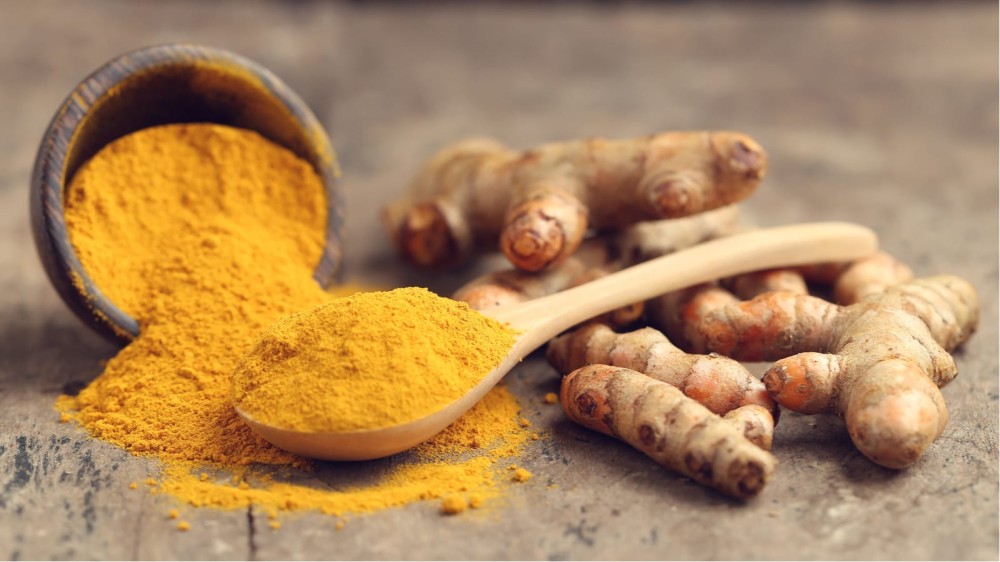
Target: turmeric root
[[646, 241], [674, 312], [652, 239], [539, 203], [672, 429], [878, 363], [718, 383], [599, 256], [512, 286], [620, 317], [755, 422], [749, 285], [853, 281]]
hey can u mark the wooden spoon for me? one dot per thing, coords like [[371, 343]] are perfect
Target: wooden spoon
[[542, 319]]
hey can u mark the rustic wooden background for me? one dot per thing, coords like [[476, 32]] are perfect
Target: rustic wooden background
[[881, 114]]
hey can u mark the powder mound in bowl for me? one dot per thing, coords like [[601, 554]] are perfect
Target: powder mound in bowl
[[368, 361]]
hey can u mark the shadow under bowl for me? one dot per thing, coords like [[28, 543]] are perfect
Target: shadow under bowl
[[156, 86]]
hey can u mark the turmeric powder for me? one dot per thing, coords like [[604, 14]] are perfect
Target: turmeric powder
[[368, 361], [206, 235], [453, 504], [521, 475]]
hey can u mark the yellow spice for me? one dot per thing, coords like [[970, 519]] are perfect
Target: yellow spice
[[207, 235], [475, 501], [453, 504], [368, 361]]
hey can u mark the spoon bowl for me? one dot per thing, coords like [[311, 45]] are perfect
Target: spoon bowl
[[542, 319], [156, 86]]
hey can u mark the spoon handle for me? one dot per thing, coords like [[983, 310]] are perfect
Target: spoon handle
[[781, 246]]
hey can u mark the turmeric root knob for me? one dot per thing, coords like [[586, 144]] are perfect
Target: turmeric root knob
[[544, 230], [895, 413], [672, 429], [425, 235], [755, 422], [704, 169]]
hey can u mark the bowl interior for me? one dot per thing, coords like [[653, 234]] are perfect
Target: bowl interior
[[156, 86]]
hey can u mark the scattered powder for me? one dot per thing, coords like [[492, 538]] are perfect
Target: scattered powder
[[453, 504], [522, 475]]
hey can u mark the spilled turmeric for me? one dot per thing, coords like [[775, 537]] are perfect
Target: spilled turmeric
[[368, 361], [203, 234], [206, 235], [453, 504]]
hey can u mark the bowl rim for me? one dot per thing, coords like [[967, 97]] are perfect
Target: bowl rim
[[59, 259]]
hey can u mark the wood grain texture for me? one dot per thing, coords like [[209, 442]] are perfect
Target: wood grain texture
[[880, 114]]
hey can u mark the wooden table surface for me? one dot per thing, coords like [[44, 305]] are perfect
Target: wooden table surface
[[881, 114]]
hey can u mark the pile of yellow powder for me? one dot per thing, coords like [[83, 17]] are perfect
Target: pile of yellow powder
[[368, 361], [207, 235]]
